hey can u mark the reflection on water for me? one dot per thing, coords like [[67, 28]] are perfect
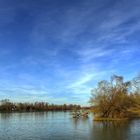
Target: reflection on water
[[60, 126], [5, 116], [109, 130]]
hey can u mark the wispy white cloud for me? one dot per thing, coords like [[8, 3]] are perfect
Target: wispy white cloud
[[80, 85], [88, 54]]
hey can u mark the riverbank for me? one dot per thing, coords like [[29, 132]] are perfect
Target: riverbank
[[110, 119], [8, 106], [132, 113]]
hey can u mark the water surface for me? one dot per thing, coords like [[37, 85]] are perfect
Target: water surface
[[60, 126]]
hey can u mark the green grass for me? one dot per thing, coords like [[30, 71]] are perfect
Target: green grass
[[109, 119]]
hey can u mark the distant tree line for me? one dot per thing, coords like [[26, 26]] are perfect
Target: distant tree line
[[7, 106], [116, 98]]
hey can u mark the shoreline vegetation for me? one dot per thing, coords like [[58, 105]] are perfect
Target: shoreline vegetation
[[7, 106], [116, 100]]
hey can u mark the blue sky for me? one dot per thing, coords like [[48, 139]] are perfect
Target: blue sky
[[57, 50]]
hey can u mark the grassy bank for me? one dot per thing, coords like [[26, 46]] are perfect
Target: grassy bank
[[132, 113], [110, 119]]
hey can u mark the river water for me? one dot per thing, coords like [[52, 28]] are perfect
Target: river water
[[61, 126]]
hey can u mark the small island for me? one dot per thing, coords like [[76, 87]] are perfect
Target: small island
[[116, 99]]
